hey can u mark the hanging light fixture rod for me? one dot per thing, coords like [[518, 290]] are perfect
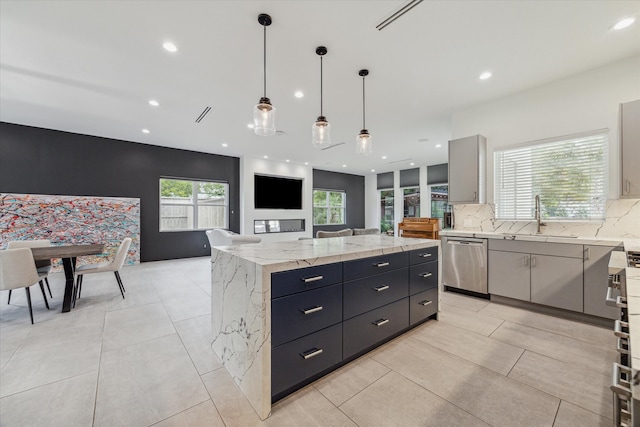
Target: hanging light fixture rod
[[363, 140], [321, 51], [265, 21], [363, 73], [321, 128]]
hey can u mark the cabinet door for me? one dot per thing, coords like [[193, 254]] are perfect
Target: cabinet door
[[463, 170], [509, 275], [596, 277], [557, 282], [630, 139]]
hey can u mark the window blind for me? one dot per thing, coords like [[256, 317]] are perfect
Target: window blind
[[569, 174]]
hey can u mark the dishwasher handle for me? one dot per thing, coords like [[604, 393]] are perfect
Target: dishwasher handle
[[465, 242]]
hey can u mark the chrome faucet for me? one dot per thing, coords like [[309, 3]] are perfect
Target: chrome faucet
[[538, 214]]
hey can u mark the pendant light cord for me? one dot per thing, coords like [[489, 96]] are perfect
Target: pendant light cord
[[363, 125], [264, 67], [321, 85]]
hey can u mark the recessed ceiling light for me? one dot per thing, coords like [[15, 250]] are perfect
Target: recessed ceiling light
[[411, 164], [373, 170], [298, 94], [344, 166], [438, 145], [384, 157], [266, 157], [306, 163], [287, 160], [624, 23], [153, 102], [485, 75], [170, 47], [146, 131], [250, 125], [224, 144]]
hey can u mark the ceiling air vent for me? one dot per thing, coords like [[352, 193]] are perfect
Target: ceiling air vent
[[203, 114], [334, 145], [397, 14], [399, 161]]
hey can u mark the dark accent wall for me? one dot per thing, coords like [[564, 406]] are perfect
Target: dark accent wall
[[353, 185], [44, 161]]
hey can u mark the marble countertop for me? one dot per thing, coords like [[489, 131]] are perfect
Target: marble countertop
[[576, 240], [279, 256]]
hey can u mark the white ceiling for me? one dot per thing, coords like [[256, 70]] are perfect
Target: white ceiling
[[91, 67]]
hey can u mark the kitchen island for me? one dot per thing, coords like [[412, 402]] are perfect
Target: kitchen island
[[404, 272]]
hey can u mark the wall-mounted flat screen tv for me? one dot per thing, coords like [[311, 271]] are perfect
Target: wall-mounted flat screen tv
[[271, 192]]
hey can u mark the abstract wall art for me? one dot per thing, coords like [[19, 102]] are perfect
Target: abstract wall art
[[72, 220]]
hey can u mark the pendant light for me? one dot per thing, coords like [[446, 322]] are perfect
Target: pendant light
[[321, 129], [363, 140], [264, 113]]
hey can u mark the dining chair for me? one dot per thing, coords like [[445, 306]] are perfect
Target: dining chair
[[18, 270], [43, 266], [114, 265]]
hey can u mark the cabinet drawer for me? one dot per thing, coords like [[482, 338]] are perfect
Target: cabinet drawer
[[368, 329], [375, 291], [419, 256], [289, 366], [300, 314], [571, 250], [423, 277], [304, 279], [423, 305], [374, 265]]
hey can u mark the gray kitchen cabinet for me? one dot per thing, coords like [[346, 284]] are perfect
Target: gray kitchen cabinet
[[557, 281], [596, 272], [509, 275], [467, 169], [630, 148]]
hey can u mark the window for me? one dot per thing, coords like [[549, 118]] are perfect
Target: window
[[329, 207], [386, 210], [411, 202], [440, 207], [569, 174], [193, 205]]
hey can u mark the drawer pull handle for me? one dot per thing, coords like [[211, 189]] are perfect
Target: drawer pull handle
[[381, 288], [312, 279], [424, 275], [620, 329], [381, 322], [312, 309], [311, 353], [381, 264], [426, 255], [425, 302]]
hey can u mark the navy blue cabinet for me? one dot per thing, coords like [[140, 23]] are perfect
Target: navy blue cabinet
[[324, 316]]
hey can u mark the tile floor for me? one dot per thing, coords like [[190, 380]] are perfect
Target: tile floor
[[146, 360]]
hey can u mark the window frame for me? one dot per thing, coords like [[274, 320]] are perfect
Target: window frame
[[193, 204], [328, 206], [515, 182]]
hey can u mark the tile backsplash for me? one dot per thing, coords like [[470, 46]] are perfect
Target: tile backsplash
[[622, 221]]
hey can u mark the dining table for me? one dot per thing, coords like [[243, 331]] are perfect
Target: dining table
[[68, 254]]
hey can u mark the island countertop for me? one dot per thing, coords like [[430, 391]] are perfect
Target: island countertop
[[241, 298], [280, 256]]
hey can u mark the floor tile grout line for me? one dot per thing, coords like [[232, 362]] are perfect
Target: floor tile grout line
[[555, 417], [182, 411], [49, 383], [95, 398], [514, 365]]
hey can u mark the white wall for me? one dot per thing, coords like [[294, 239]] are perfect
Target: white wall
[[249, 167], [580, 103]]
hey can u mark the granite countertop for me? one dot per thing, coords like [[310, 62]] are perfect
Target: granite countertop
[[576, 240], [307, 252]]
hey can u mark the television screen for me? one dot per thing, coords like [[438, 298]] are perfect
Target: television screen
[[272, 192]]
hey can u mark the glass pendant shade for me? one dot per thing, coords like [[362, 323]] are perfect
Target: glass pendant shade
[[364, 143], [264, 114], [321, 133]]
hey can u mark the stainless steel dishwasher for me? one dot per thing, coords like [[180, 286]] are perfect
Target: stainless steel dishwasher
[[464, 263]]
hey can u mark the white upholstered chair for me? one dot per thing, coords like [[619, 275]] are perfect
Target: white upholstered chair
[[44, 266], [219, 237], [18, 270], [113, 266]]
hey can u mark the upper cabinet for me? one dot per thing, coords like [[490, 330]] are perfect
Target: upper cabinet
[[630, 148], [467, 173]]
